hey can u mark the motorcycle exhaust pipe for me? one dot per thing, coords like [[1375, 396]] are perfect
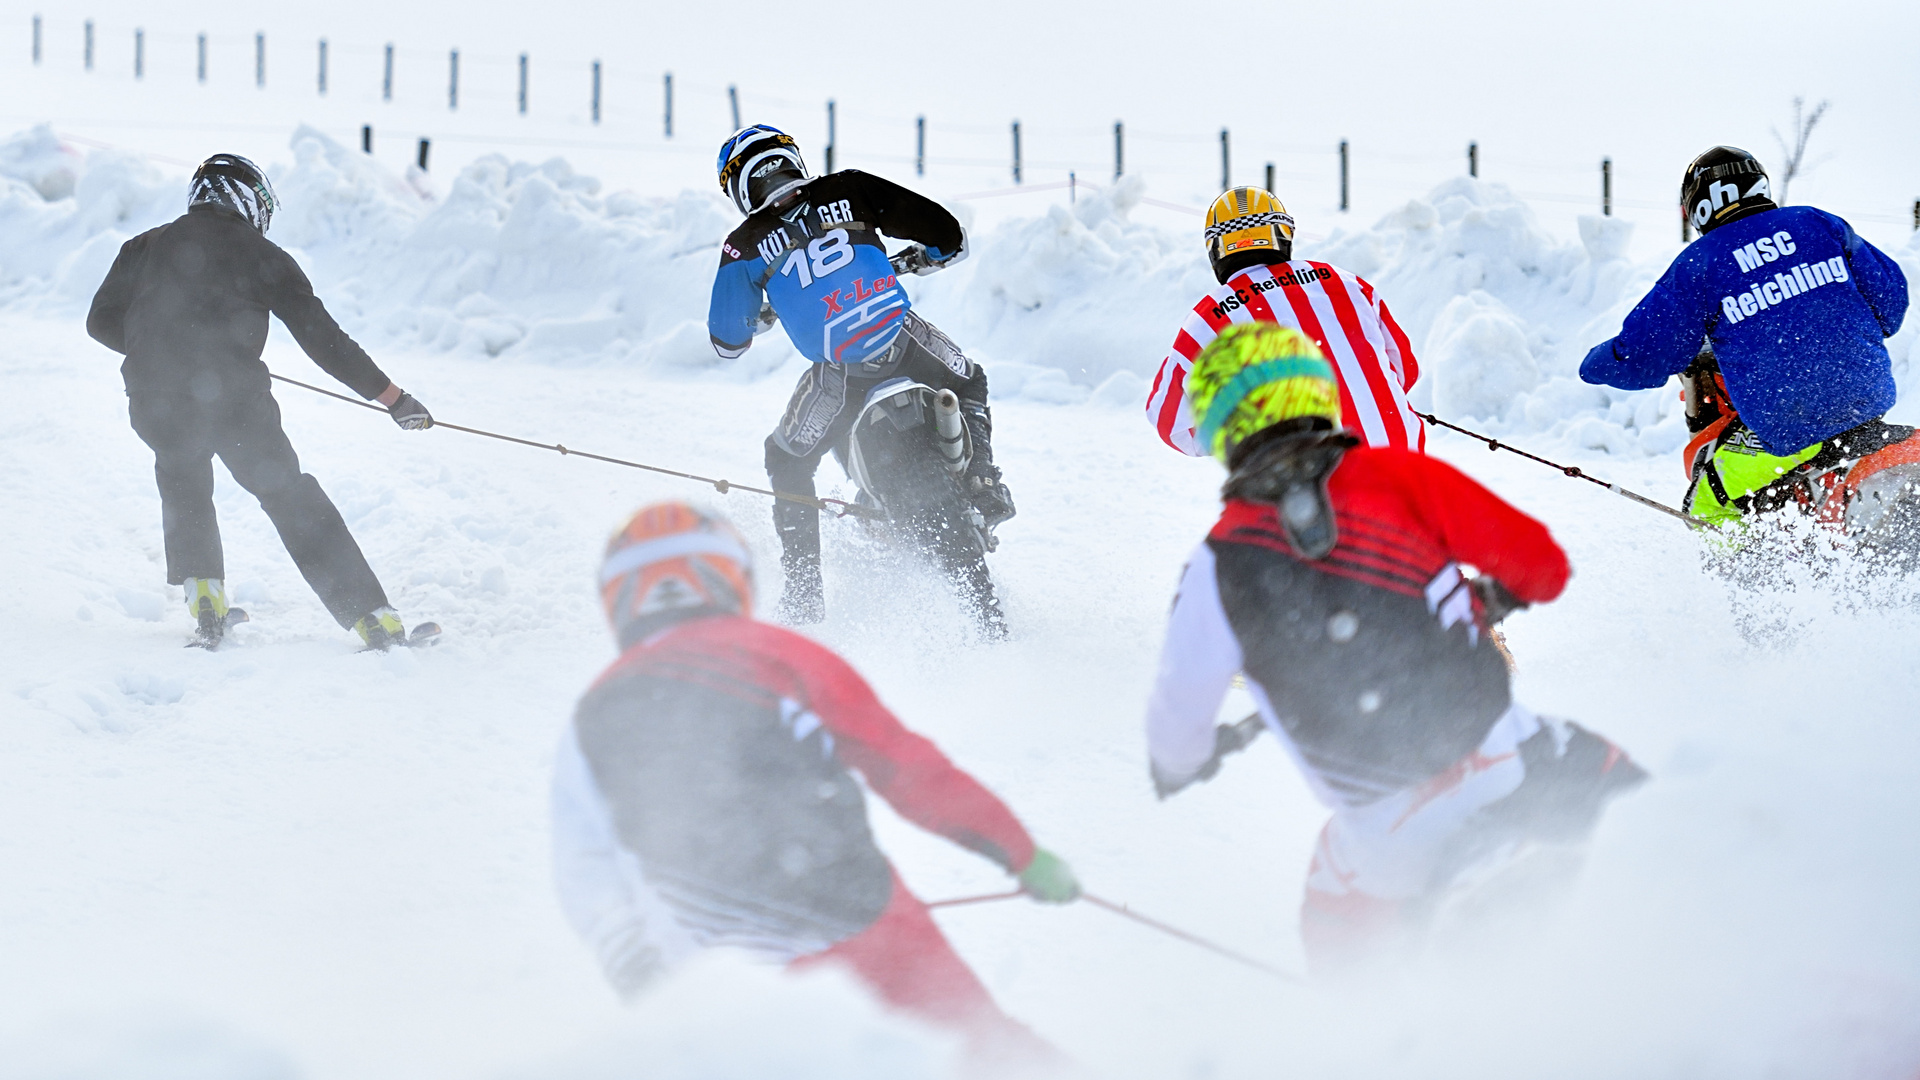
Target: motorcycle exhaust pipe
[[950, 433]]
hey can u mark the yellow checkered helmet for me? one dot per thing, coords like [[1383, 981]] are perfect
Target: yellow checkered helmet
[[1247, 225], [1256, 375]]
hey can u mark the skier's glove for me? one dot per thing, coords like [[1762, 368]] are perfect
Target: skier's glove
[[1049, 879], [1496, 602], [410, 414], [1227, 739], [766, 319]]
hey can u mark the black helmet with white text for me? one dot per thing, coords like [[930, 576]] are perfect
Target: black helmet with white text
[[1722, 184]]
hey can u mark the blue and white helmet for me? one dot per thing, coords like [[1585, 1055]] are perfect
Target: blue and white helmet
[[758, 165], [232, 181]]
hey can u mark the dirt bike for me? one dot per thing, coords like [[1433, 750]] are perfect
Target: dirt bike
[[908, 451]]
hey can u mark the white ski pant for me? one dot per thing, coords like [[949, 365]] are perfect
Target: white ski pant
[[1390, 849]]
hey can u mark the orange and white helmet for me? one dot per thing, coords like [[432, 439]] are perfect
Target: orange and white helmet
[[671, 562], [1247, 225]]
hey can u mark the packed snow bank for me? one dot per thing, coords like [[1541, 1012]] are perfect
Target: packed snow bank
[[1077, 303]]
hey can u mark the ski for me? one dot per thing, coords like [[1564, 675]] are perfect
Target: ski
[[421, 636], [211, 636]]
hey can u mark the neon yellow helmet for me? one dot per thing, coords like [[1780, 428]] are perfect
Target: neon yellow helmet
[[1256, 375]]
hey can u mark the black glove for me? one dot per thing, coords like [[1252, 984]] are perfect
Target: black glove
[[1227, 739], [410, 414], [1496, 602]]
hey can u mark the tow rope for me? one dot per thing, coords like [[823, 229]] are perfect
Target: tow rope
[[1568, 470], [838, 506], [1154, 924]]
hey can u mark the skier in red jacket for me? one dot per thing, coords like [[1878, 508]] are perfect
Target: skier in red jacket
[[704, 794], [1333, 581]]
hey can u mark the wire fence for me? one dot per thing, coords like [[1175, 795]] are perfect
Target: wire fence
[[493, 86]]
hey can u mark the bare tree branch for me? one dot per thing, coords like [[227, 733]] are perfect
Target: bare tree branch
[[1794, 153]]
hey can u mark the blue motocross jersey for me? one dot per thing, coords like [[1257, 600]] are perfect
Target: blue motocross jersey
[[821, 263], [1797, 307]]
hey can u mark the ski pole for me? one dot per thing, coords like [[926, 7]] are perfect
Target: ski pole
[[1191, 939], [838, 506], [1569, 470]]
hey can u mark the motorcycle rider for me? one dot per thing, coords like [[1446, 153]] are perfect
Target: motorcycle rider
[[1249, 237], [1332, 580], [1787, 393], [187, 304], [704, 794], [811, 246]]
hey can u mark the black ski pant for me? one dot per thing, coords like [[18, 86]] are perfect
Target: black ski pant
[[827, 401], [243, 429]]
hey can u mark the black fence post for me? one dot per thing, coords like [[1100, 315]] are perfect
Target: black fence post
[[139, 54], [733, 103], [386, 79], [1343, 176], [259, 59], [323, 67], [1016, 152], [523, 84], [919, 146], [1119, 149], [424, 144], [1473, 159], [366, 138], [202, 66], [1606, 187], [1269, 177], [669, 104], [1226, 163], [1916, 215], [453, 80], [596, 91], [36, 39], [89, 45], [831, 135]]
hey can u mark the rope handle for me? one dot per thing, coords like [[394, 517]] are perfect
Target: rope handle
[[1573, 471], [839, 507]]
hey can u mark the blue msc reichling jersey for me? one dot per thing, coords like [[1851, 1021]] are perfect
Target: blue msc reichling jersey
[[1797, 307], [820, 261]]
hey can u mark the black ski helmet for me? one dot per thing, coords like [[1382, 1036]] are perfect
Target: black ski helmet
[[232, 181], [1722, 184]]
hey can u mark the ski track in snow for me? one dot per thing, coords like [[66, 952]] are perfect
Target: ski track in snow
[[293, 859]]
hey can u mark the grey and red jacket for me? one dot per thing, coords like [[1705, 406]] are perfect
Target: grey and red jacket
[[725, 751]]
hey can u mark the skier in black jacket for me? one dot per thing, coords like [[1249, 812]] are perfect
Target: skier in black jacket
[[187, 305]]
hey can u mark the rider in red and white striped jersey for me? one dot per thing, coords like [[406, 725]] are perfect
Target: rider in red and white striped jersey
[[1250, 243]]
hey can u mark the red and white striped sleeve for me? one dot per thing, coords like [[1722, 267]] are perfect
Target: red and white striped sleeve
[[1167, 401]]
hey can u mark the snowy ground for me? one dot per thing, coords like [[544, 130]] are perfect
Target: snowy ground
[[289, 859]]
